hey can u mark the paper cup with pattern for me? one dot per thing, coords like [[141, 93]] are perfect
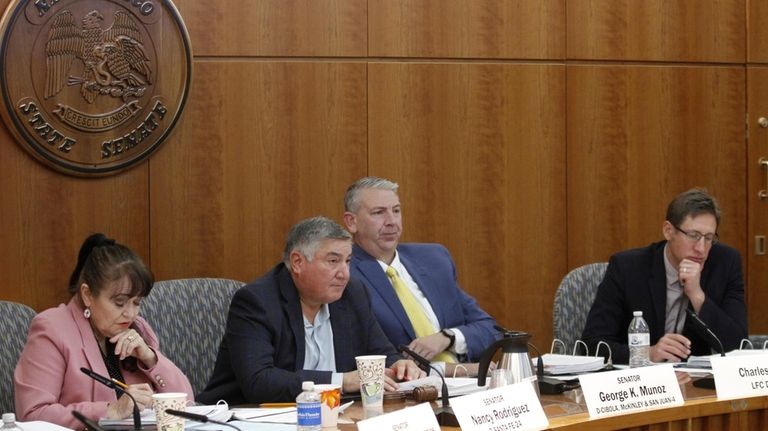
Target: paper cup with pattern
[[371, 371], [330, 402], [173, 401]]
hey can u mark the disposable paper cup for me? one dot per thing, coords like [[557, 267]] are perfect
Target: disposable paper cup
[[330, 401], [173, 401], [371, 371]]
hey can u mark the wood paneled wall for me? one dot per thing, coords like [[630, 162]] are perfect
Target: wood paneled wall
[[652, 133], [657, 30], [478, 183], [529, 136]]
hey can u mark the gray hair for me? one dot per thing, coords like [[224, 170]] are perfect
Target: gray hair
[[306, 236], [351, 198], [692, 203]]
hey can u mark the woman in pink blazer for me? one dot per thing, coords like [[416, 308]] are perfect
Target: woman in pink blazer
[[99, 329]]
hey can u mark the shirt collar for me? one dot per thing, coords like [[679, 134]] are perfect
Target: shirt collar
[[323, 316], [671, 271], [396, 263]]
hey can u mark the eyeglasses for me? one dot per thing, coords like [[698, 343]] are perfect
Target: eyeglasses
[[694, 236]]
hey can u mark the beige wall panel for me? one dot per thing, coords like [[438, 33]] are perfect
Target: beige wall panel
[[326, 28], [758, 31], [757, 95], [46, 215], [467, 28], [637, 136], [477, 150], [262, 145], [663, 30]]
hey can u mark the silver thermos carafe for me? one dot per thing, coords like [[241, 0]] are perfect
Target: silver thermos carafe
[[514, 357]]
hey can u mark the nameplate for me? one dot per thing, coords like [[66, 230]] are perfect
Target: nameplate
[[740, 376], [513, 407], [417, 418], [634, 389]]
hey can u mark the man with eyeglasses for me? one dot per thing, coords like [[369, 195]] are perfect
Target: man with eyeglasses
[[690, 269]]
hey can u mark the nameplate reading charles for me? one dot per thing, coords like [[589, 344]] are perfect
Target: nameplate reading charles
[[632, 390], [740, 376]]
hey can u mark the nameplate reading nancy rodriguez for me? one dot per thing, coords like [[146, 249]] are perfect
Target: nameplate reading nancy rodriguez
[[512, 407], [92, 87], [632, 390], [740, 376]]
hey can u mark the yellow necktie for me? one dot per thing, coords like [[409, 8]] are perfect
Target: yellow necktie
[[415, 312]]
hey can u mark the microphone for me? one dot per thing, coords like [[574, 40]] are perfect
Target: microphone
[[444, 413], [110, 384], [424, 364], [89, 424], [197, 418], [547, 385], [702, 329]]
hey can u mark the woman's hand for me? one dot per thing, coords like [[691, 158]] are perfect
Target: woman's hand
[[123, 408], [130, 343]]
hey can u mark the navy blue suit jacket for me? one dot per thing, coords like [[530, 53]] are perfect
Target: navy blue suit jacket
[[432, 268], [636, 281], [262, 353]]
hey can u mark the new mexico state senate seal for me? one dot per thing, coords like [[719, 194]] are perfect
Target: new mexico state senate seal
[[91, 87]]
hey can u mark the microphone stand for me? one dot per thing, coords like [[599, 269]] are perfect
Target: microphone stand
[[443, 413], [702, 329], [198, 418], [89, 424], [546, 385], [110, 384]]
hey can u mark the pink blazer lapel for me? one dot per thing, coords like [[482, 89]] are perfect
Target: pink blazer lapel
[[93, 359]]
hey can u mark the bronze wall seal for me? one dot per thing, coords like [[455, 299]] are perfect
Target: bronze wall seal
[[92, 87]]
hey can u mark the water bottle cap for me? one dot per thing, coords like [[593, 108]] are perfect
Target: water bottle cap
[[9, 417], [307, 386], [637, 313]]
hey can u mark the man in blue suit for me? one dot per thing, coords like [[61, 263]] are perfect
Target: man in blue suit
[[303, 320], [690, 269], [413, 287]]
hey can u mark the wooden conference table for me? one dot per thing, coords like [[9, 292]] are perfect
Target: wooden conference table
[[701, 411]]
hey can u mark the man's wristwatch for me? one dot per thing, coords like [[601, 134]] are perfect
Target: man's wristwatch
[[449, 334]]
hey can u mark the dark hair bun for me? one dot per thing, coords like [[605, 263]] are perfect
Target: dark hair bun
[[93, 241]]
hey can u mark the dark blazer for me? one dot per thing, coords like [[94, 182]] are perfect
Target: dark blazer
[[432, 268], [636, 281], [262, 353]]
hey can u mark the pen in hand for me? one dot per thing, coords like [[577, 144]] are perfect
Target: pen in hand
[[119, 383]]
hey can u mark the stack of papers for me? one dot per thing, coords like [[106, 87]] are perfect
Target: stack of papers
[[284, 415], [567, 364], [41, 426], [704, 361], [456, 385], [219, 412]]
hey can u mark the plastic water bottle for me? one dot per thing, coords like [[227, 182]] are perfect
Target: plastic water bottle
[[9, 422], [308, 408], [639, 338]]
